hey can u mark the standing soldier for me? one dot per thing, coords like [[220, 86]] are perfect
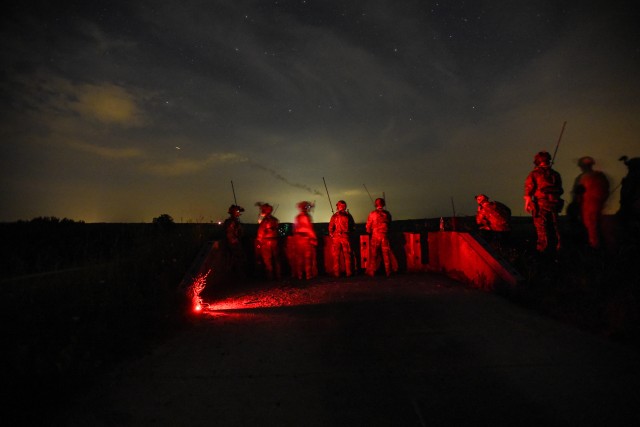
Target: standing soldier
[[305, 243], [232, 243], [589, 194], [542, 191], [267, 242], [493, 219], [341, 226], [629, 212], [378, 223]]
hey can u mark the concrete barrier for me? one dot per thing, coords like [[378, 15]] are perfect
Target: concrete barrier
[[469, 258], [207, 259], [462, 256]]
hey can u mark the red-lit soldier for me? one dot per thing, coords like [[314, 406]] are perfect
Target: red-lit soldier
[[267, 242], [306, 241], [590, 192], [341, 226], [493, 219], [377, 226], [542, 191]]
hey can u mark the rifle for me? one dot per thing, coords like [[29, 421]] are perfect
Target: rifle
[[328, 197], [558, 143]]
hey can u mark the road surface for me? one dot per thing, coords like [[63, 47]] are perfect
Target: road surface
[[410, 350]]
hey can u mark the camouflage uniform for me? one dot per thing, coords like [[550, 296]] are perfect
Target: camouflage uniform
[[542, 191], [340, 227], [377, 225], [305, 264], [268, 242], [493, 219]]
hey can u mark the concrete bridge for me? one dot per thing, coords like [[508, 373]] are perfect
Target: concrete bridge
[[460, 255], [415, 349]]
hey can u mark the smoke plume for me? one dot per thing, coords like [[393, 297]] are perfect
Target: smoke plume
[[279, 177]]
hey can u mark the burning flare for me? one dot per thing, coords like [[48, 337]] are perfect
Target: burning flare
[[194, 290]]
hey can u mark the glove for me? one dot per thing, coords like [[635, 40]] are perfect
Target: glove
[[528, 204]]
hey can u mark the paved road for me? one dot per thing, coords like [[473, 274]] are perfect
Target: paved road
[[412, 350]]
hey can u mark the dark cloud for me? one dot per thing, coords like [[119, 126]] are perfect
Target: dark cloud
[[424, 101]]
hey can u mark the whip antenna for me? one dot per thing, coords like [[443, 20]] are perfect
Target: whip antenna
[[371, 198], [235, 202], [558, 143], [328, 197]]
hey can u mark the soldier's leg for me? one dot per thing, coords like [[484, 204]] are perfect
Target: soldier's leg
[[556, 229], [300, 257], [308, 262], [372, 265], [265, 251], [346, 247], [335, 251], [311, 266], [540, 223], [386, 255], [591, 218], [314, 262], [275, 257]]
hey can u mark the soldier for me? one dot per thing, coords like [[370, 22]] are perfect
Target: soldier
[[232, 243], [341, 226], [589, 194], [493, 219], [267, 242], [378, 223], [305, 243], [629, 212], [542, 191]]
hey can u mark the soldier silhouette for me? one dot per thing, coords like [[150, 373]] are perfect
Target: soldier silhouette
[[589, 194], [232, 242], [629, 213]]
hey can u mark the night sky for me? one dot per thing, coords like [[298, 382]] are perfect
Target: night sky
[[119, 111]]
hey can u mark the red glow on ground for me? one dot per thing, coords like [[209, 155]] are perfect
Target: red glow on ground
[[318, 292], [265, 300], [282, 296]]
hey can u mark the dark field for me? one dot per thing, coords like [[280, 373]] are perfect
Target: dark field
[[79, 298]]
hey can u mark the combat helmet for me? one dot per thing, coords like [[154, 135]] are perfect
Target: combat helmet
[[304, 205], [266, 208], [586, 161], [542, 157], [233, 209], [481, 198]]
